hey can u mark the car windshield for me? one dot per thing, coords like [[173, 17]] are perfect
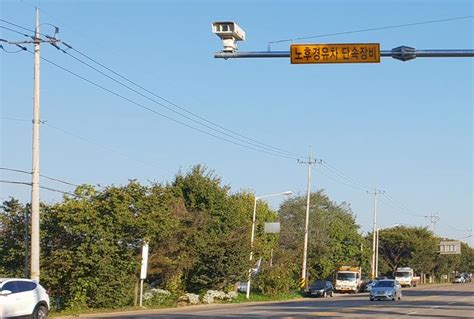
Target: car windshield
[[402, 274], [384, 283], [346, 276], [318, 285]]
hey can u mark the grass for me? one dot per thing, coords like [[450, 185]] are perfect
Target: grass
[[260, 297]]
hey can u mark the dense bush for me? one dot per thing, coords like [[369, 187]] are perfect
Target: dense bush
[[275, 280]]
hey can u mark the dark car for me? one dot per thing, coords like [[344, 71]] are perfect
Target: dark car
[[320, 288]]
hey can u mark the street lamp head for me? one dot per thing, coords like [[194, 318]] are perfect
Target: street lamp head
[[287, 193], [386, 227]]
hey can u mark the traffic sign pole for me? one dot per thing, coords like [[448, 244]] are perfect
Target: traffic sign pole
[[402, 53]]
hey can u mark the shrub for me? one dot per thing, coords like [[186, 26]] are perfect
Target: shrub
[[158, 297], [219, 295], [190, 298], [274, 281]]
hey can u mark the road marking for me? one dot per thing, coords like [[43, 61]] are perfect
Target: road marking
[[412, 313]]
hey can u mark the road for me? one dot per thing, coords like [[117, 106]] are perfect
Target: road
[[437, 301]]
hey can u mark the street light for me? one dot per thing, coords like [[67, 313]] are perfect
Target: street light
[[377, 247], [287, 193]]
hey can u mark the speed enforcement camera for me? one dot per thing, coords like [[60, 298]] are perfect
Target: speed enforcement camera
[[230, 33]]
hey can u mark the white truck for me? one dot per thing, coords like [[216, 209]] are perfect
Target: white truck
[[405, 277], [348, 279]]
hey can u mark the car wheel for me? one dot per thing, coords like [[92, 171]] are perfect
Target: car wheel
[[325, 295], [371, 299], [40, 312]]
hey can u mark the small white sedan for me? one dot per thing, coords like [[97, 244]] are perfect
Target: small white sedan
[[23, 297]]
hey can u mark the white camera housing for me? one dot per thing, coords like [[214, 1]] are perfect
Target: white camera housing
[[230, 33]]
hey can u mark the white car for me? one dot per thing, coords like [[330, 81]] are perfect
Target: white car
[[23, 297], [459, 279]]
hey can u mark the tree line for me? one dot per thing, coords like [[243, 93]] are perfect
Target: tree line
[[199, 237]]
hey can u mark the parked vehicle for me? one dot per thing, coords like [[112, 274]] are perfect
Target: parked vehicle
[[405, 277], [320, 288], [348, 279], [386, 289], [467, 277], [458, 279], [23, 298]]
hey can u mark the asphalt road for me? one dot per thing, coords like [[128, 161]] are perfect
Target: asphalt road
[[436, 301]]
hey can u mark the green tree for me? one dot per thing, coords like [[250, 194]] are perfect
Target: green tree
[[218, 243], [334, 237], [404, 246], [14, 239], [93, 241]]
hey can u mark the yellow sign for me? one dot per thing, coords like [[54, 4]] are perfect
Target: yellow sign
[[302, 282], [335, 53]]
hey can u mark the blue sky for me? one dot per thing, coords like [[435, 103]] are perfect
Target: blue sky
[[405, 127]]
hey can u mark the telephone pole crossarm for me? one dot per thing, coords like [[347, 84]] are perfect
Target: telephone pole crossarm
[[402, 53]]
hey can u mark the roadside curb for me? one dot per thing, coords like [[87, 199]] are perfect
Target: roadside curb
[[159, 310]]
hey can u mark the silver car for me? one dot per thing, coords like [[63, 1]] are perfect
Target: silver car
[[386, 289]]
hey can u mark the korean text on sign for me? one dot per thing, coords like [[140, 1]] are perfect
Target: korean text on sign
[[335, 53]]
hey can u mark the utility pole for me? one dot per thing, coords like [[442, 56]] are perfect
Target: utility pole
[[35, 166], [310, 162], [374, 230], [35, 196], [434, 218]]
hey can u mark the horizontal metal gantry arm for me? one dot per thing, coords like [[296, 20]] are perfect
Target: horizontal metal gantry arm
[[402, 53]]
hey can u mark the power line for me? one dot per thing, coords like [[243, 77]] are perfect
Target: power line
[[221, 129], [269, 148], [339, 173], [105, 147], [6, 51], [158, 113], [42, 187], [413, 212], [369, 29], [450, 228], [18, 26], [400, 208], [47, 177], [14, 31], [177, 106], [340, 182], [91, 142], [14, 119]]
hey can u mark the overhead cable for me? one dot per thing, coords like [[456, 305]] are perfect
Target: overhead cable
[[211, 125], [44, 176], [158, 113], [42, 187], [369, 29]]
